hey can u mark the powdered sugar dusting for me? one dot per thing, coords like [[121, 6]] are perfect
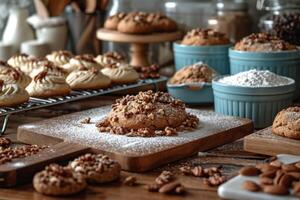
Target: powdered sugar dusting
[[292, 116], [69, 128], [256, 78]]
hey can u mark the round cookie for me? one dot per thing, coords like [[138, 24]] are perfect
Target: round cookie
[[287, 123], [196, 73], [46, 85], [96, 168], [110, 58], [201, 37], [161, 23], [11, 75], [121, 74], [18, 60], [56, 180], [135, 23], [112, 22], [263, 42], [32, 64], [12, 95], [49, 67], [81, 61], [59, 58], [147, 114], [85, 79]]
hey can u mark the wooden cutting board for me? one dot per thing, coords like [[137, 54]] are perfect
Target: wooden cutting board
[[136, 153], [267, 143]]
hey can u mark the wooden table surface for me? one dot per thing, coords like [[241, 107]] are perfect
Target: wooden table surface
[[230, 156]]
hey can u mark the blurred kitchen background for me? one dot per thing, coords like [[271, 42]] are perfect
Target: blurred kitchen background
[[74, 29]]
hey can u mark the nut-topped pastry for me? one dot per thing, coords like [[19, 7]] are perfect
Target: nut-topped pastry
[[193, 74], [135, 23], [48, 67], [96, 168], [56, 180], [287, 123], [148, 114], [32, 64], [121, 74], [81, 61], [112, 22], [46, 84], [263, 42], [59, 58], [161, 23], [87, 79], [110, 58], [11, 75], [12, 94], [200, 37], [18, 60]]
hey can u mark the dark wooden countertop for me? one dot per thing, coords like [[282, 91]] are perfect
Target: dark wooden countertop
[[230, 156]]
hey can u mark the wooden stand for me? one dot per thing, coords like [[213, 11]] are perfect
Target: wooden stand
[[139, 43]]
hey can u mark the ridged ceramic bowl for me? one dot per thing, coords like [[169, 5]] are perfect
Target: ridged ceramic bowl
[[216, 56], [284, 63], [192, 93], [259, 104]]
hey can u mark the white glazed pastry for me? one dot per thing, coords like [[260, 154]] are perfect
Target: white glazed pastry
[[60, 58], [88, 79], [48, 67], [122, 74], [12, 95], [11, 75], [32, 64], [110, 58], [46, 85], [81, 61]]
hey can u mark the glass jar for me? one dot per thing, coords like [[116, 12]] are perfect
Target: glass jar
[[231, 18], [282, 19]]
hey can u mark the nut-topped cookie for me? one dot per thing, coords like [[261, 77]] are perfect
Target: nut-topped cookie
[[135, 23], [121, 73], [81, 61], [59, 58], [56, 180], [161, 23], [263, 42], [12, 75], [112, 22], [96, 168], [46, 84], [201, 37], [110, 58], [12, 94], [196, 73], [148, 114], [87, 79], [287, 123], [18, 60]]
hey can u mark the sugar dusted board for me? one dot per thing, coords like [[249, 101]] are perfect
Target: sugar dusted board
[[137, 153], [267, 143]]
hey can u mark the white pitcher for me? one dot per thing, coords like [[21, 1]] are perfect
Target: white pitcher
[[17, 30]]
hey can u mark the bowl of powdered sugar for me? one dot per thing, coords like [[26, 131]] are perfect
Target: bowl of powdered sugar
[[255, 94]]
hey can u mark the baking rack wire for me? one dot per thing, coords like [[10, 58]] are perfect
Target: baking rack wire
[[36, 103]]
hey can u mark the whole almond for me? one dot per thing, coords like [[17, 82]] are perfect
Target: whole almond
[[268, 174], [267, 168], [266, 181], [286, 181], [249, 171], [251, 186], [169, 187], [275, 190], [290, 168]]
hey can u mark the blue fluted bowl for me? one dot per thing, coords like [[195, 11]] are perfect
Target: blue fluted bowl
[[216, 56], [259, 104], [284, 63], [192, 93]]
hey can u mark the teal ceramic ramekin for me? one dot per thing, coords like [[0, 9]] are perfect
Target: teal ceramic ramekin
[[259, 104], [192, 93], [284, 63], [216, 56]]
